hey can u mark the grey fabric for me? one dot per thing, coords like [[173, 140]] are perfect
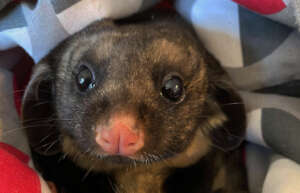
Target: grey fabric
[[260, 38], [280, 66], [296, 4], [12, 132], [148, 3], [3, 3], [43, 40], [258, 160], [281, 131], [255, 101], [286, 16], [59, 5], [290, 88], [48, 22], [14, 18]]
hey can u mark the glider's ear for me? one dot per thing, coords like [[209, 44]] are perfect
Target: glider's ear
[[38, 115], [231, 134]]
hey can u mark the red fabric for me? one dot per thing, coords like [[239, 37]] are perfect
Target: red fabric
[[15, 175], [12, 2], [166, 5], [265, 7], [244, 153], [18, 154], [19, 1]]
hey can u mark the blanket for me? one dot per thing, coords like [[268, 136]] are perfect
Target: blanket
[[260, 50], [257, 42]]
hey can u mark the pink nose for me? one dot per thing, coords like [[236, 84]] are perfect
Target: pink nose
[[120, 137]]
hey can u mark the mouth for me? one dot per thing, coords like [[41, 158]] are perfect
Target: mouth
[[94, 154], [141, 158], [118, 159]]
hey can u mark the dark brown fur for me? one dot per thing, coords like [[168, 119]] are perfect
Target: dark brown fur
[[189, 146]]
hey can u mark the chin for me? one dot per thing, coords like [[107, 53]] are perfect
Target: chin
[[140, 159], [119, 159]]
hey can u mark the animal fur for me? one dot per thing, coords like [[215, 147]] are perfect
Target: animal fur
[[191, 146]]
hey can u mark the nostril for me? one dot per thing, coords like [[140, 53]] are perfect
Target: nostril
[[106, 141], [120, 136], [131, 144], [106, 136]]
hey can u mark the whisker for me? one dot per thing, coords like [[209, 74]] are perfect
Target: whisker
[[5, 133], [23, 90], [45, 120], [47, 136], [53, 143], [87, 173], [40, 103], [46, 144], [64, 156], [236, 103], [113, 186]]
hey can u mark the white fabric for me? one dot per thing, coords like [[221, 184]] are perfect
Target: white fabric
[[283, 177]]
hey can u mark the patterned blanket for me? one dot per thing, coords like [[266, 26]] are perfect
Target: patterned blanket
[[261, 53], [257, 41]]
